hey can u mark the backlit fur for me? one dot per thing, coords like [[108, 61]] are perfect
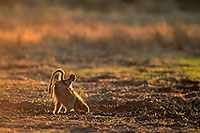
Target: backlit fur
[[64, 94]]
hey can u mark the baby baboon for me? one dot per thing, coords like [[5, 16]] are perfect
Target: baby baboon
[[64, 93]]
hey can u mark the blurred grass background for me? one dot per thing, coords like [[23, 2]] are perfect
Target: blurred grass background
[[88, 30]]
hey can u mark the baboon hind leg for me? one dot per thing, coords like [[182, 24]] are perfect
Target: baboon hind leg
[[57, 108]]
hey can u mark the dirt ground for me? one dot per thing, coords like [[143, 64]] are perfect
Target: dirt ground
[[126, 96]]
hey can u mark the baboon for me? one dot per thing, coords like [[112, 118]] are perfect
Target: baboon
[[64, 94]]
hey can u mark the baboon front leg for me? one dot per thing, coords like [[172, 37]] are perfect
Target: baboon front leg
[[66, 111], [57, 108]]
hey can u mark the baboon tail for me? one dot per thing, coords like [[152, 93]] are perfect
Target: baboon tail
[[61, 77]]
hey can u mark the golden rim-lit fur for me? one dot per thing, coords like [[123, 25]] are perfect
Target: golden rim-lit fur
[[61, 77], [63, 88]]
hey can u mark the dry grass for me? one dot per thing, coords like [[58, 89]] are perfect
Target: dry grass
[[30, 32], [99, 39], [93, 31]]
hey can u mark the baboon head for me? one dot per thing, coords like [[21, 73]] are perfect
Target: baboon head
[[73, 77]]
